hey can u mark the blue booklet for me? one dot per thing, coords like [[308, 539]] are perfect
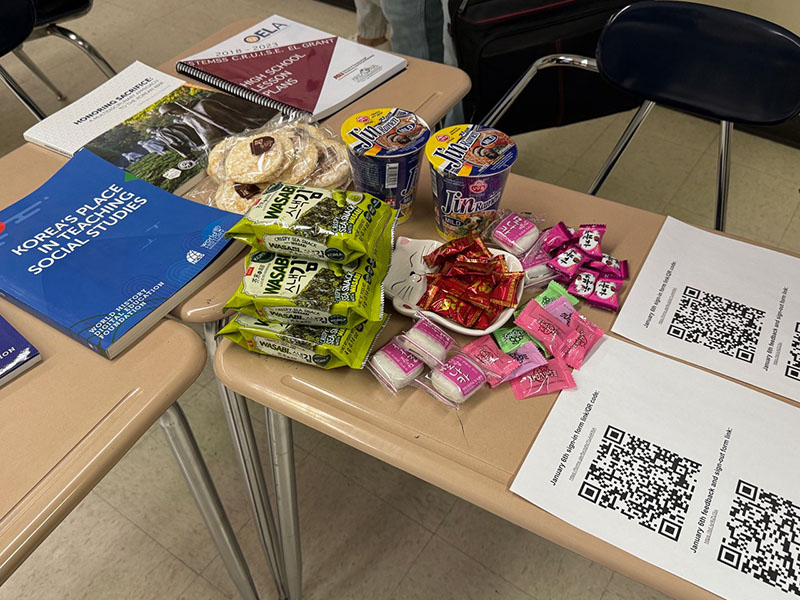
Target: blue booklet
[[16, 353], [102, 256]]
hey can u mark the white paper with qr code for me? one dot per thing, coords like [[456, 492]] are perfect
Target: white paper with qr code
[[691, 472], [719, 303]]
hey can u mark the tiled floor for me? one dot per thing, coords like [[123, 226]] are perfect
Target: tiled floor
[[368, 531]]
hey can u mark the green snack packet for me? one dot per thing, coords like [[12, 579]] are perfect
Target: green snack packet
[[326, 347], [288, 289], [511, 338], [331, 225], [553, 291]]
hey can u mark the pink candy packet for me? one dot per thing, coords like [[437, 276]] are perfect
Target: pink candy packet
[[529, 358], [495, 363], [584, 282], [561, 308], [549, 330], [606, 293], [568, 261], [589, 238], [552, 377], [588, 335], [554, 237], [609, 265]]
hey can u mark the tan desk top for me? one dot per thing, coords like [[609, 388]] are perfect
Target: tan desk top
[[68, 420], [419, 435], [429, 89]]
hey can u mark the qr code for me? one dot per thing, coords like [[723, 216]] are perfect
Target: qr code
[[793, 366], [645, 482], [762, 538], [717, 323]]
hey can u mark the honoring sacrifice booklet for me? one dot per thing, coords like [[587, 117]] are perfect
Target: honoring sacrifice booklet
[[292, 67], [17, 354], [151, 124], [692, 300], [691, 472], [101, 255]]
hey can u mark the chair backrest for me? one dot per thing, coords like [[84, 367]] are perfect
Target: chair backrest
[[16, 23], [707, 60]]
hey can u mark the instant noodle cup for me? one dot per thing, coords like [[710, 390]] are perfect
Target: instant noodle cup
[[385, 147], [469, 169]]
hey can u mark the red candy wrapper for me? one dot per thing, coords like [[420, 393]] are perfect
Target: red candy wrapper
[[465, 266], [549, 330], [552, 377], [567, 262], [474, 289], [588, 334], [470, 246], [609, 265], [589, 238], [606, 294], [554, 237], [448, 305], [505, 292], [584, 282], [488, 316], [495, 364]]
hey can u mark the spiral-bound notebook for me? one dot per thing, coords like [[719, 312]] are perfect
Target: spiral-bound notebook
[[293, 68]]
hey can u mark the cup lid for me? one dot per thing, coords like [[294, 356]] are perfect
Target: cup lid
[[385, 132], [470, 151]]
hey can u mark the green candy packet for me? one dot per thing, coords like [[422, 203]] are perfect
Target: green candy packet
[[326, 347], [288, 289], [553, 291], [332, 225], [511, 338]]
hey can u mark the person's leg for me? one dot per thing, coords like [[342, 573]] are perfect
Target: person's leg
[[371, 23], [416, 27]]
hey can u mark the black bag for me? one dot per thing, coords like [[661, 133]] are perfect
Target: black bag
[[498, 40]]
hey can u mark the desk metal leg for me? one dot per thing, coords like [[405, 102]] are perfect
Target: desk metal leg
[[281, 449], [244, 443], [194, 470]]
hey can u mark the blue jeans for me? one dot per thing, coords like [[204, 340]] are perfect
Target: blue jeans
[[417, 27]]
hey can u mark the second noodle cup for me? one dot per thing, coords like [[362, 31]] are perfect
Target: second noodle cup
[[385, 147], [469, 168]]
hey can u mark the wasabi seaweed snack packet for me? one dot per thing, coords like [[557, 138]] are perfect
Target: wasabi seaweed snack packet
[[289, 289], [326, 347], [332, 225]]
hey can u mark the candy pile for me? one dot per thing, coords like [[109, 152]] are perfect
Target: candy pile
[[472, 286], [575, 259], [313, 284]]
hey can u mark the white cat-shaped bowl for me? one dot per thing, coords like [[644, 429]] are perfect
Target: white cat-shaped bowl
[[405, 283]]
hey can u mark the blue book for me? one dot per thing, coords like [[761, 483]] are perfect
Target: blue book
[[16, 353], [101, 255]]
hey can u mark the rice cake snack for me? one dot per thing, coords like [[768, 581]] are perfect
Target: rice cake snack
[[289, 289], [326, 347], [321, 224], [256, 158], [237, 198], [333, 167]]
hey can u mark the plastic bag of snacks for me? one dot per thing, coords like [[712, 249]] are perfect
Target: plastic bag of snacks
[[286, 149], [322, 224], [513, 232], [311, 292], [326, 347]]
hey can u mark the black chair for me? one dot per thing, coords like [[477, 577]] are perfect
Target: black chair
[[709, 61], [14, 17]]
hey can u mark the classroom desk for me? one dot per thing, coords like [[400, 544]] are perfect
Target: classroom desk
[[68, 420], [430, 90], [423, 437]]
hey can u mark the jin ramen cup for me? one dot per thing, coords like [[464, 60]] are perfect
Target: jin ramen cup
[[385, 146], [469, 168]]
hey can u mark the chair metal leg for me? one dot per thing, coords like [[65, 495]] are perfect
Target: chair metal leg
[[623, 142], [26, 60], [723, 174], [281, 448], [81, 43], [21, 95], [244, 442], [551, 60], [194, 470]]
